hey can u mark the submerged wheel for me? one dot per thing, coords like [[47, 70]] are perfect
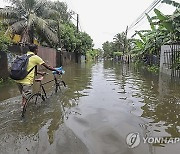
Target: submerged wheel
[[61, 85], [33, 99], [57, 87], [54, 90]]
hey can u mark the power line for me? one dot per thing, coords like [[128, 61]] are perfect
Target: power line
[[73, 18], [149, 9], [143, 21], [143, 14], [77, 21]]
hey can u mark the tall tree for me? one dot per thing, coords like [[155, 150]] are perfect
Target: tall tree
[[108, 49], [120, 40], [24, 17], [61, 7]]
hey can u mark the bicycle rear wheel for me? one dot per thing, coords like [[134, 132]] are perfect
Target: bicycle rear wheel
[[33, 99]]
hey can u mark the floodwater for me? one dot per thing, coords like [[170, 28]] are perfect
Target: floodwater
[[102, 104]]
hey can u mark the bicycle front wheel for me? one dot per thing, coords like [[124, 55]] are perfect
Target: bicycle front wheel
[[35, 99], [61, 84]]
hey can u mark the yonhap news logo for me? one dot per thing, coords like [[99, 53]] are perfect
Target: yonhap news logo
[[133, 140]]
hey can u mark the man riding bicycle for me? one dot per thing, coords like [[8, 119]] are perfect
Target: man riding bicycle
[[25, 85]]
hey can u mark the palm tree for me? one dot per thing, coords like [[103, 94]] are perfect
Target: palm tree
[[24, 17], [62, 9], [121, 41]]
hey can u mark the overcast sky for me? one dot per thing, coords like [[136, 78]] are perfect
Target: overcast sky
[[103, 19]]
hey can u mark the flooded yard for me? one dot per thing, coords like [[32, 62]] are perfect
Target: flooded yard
[[103, 103]]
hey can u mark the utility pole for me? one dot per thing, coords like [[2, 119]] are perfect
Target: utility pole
[[76, 50], [59, 46], [77, 23], [125, 39]]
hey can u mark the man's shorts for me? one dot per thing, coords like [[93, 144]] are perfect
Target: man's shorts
[[25, 90]]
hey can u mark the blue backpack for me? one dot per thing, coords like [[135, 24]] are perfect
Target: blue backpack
[[18, 69]]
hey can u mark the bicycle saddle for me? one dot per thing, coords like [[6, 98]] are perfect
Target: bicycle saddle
[[39, 79]]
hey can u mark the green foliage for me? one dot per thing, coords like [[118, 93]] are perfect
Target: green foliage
[[68, 39], [73, 41], [121, 42], [164, 20], [108, 49], [117, 53], [4, 40], [150, 22], [153, 68], [47, 21], [60, 11], [176, 64], [164, 29], [93, 54], [120, 45], [175, 4], [25, 17], [84, 42]]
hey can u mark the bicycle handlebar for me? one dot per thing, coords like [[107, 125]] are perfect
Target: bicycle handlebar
[[59, 69]]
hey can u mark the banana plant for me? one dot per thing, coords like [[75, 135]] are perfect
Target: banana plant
[[171, 23], [173, 3]]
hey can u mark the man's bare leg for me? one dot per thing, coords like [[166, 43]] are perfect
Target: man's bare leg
[[23, 101]]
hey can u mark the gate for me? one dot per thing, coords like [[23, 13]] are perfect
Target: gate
[[170, 60]]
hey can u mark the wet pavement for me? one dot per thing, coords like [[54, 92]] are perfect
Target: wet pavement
[[102, 104]]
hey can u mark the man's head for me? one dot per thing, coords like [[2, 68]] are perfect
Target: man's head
[[33, 48]]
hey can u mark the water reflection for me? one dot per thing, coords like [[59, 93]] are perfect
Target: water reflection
[[15, 131], [102, 104], [159, 97]]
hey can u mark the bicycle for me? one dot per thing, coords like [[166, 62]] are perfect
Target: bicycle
[[41, 95]]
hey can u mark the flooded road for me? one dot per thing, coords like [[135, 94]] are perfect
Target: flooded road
[[102, 104]]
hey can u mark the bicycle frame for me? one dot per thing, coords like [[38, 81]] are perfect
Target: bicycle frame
[[42, 84], [42, 92]]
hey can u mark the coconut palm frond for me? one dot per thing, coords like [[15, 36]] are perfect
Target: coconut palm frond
[[34, 14], [29, 4], [17, 27], [40, 6], [51, 22], [8, 12], [31, 20], [52, 14], [8, 22], [18, 5], [43, 28]]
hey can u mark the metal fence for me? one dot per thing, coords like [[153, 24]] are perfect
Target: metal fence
[[172, 60]]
